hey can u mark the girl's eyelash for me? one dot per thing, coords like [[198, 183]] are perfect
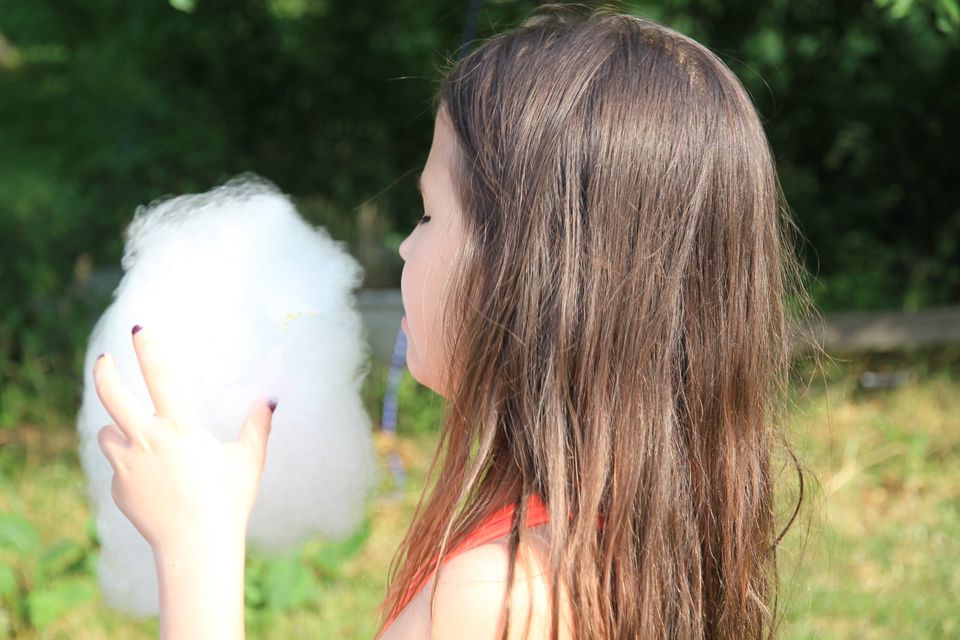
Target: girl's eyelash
[[423, 219]]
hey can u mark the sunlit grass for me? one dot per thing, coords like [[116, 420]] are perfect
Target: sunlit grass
[[883, 523], [873, 554]]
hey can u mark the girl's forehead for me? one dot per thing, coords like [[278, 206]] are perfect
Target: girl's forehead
[[436, 172], [442, 136]]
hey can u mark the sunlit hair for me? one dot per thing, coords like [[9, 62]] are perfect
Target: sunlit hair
[[620, 327]]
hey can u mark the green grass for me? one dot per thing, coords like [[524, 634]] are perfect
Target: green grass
[[873, 554], [882, 530]]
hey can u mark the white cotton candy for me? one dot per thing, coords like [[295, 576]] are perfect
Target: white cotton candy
[[249, 302]]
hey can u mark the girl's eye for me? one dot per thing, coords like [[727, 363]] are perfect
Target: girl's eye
[[424, 219]]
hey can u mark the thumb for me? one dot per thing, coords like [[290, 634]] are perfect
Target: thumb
[[256, 429]]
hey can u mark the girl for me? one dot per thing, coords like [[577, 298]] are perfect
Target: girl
[[598, 286]]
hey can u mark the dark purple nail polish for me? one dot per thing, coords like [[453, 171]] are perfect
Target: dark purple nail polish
[[272, 403], [136, 328]]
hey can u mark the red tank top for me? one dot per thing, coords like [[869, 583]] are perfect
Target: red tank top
[[497, 524]]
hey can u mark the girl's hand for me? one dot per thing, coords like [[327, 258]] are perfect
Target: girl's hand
[[175, 482]]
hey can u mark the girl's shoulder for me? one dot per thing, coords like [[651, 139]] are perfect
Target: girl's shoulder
[[470, 592]]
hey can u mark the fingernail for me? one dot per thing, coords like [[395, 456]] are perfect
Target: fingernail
[[272, 403], [136, 328]]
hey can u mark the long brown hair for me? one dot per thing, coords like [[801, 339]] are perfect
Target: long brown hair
[[620, 327]]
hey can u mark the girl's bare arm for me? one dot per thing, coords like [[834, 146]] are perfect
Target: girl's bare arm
[[201, 589]]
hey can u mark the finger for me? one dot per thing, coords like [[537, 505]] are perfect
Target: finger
[[166, 395], [117, 399], [256, 431], [111, 441]]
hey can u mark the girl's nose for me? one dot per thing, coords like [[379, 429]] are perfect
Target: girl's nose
[[402, 249]]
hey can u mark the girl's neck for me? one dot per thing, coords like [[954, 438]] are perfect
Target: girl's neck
[[507, 493]]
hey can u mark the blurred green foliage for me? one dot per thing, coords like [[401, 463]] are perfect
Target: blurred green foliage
[[107, 104], [39, 583]]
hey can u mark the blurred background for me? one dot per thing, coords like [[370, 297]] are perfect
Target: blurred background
[[106, 105]]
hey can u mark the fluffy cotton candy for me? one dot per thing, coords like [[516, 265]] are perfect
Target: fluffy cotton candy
[[251, 302]]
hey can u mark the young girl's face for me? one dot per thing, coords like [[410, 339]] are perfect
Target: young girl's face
[[428, 254]]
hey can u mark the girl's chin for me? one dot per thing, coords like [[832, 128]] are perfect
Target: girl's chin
[[413, 366]]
